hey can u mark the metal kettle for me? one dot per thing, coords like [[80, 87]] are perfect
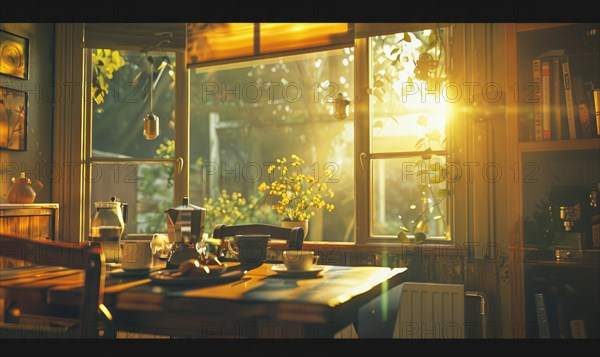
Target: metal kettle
[[108, 225], [109, 214], [185, 226], [185, 223]]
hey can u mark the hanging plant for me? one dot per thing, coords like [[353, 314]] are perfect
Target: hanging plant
[[417, 62], [105, 62]]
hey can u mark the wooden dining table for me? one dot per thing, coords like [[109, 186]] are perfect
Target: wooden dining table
[[258, 303]]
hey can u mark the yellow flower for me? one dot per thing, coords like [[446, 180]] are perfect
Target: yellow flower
[[294, 193]]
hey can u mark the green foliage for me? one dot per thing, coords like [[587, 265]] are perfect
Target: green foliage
[[234, 208], [105, 62], [414, 59]]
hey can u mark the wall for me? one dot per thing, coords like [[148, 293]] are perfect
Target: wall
[[36, 160]]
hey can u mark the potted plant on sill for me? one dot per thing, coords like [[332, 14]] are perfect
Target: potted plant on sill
[[296, 195]]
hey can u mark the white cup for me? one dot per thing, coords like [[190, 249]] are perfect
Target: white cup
[[301, 260], [161, 247], [136, 254]]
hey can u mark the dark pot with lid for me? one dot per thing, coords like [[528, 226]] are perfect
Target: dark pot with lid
[[185, 226]]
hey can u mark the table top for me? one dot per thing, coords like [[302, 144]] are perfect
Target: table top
[[335, 295]]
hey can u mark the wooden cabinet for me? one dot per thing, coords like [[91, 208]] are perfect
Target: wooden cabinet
[[35, 220], [560, 171]]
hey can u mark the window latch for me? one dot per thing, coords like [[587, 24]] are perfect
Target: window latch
[[179, 164], [363, 160]]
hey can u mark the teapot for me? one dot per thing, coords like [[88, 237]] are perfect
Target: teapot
[[22, 190]]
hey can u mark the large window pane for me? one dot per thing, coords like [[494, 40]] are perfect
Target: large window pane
[[244, 118], [406, 199], [121, 85], [121, 99], [409, 99], [146, 188], [408, 107]]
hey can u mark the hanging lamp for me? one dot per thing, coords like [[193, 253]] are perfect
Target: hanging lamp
[[151, 121]]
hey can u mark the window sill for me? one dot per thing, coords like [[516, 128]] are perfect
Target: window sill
[[394, 248], [441, 249]]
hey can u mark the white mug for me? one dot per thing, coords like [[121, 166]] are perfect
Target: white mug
[[301, 260], [161, 247], [136, 254]]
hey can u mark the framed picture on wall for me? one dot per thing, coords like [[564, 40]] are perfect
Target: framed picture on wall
[[13, 119], [14, 55]]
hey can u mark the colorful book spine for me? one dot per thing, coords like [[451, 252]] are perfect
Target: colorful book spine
[[596, 95], [569, 99], [542, 315], [596, 235], [583, 109], [589, 96], [578, 329], [561, 312], [555, 76], [546, 103], [537, 98]]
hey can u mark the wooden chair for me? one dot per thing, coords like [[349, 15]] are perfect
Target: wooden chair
[[293, 236], [23, 321]]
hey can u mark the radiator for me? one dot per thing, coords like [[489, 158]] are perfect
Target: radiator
[[425, 310], [431, 311]]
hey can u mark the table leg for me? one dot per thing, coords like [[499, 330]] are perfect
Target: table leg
[[377, 318]]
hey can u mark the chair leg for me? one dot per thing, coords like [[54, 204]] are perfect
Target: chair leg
[[106, 326]]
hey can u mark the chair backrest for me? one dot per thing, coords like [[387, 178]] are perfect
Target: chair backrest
[[75, 256], [294, 236]]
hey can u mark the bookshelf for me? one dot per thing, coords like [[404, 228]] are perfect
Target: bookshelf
[[560, 145], [559, 170]]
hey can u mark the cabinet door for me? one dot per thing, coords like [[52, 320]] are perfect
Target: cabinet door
[[34, 222]]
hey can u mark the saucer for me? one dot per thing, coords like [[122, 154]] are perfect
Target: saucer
[[171, 277], [301, 274], [129, 272]]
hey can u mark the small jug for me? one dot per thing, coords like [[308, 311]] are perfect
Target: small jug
[[22, 190], [107, 228]]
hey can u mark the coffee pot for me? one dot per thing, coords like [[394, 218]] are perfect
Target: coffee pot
[[22, 190], [570, 216], [185, 226], [107, 228]]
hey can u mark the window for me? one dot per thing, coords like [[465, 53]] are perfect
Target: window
[[407, 127], [244, 117], [388, 157], [122, 163]]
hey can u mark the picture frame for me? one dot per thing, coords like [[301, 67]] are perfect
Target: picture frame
[[13, 119], [14, 55]]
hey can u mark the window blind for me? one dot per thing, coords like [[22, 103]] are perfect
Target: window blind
[[135, 36], [218, 43]]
